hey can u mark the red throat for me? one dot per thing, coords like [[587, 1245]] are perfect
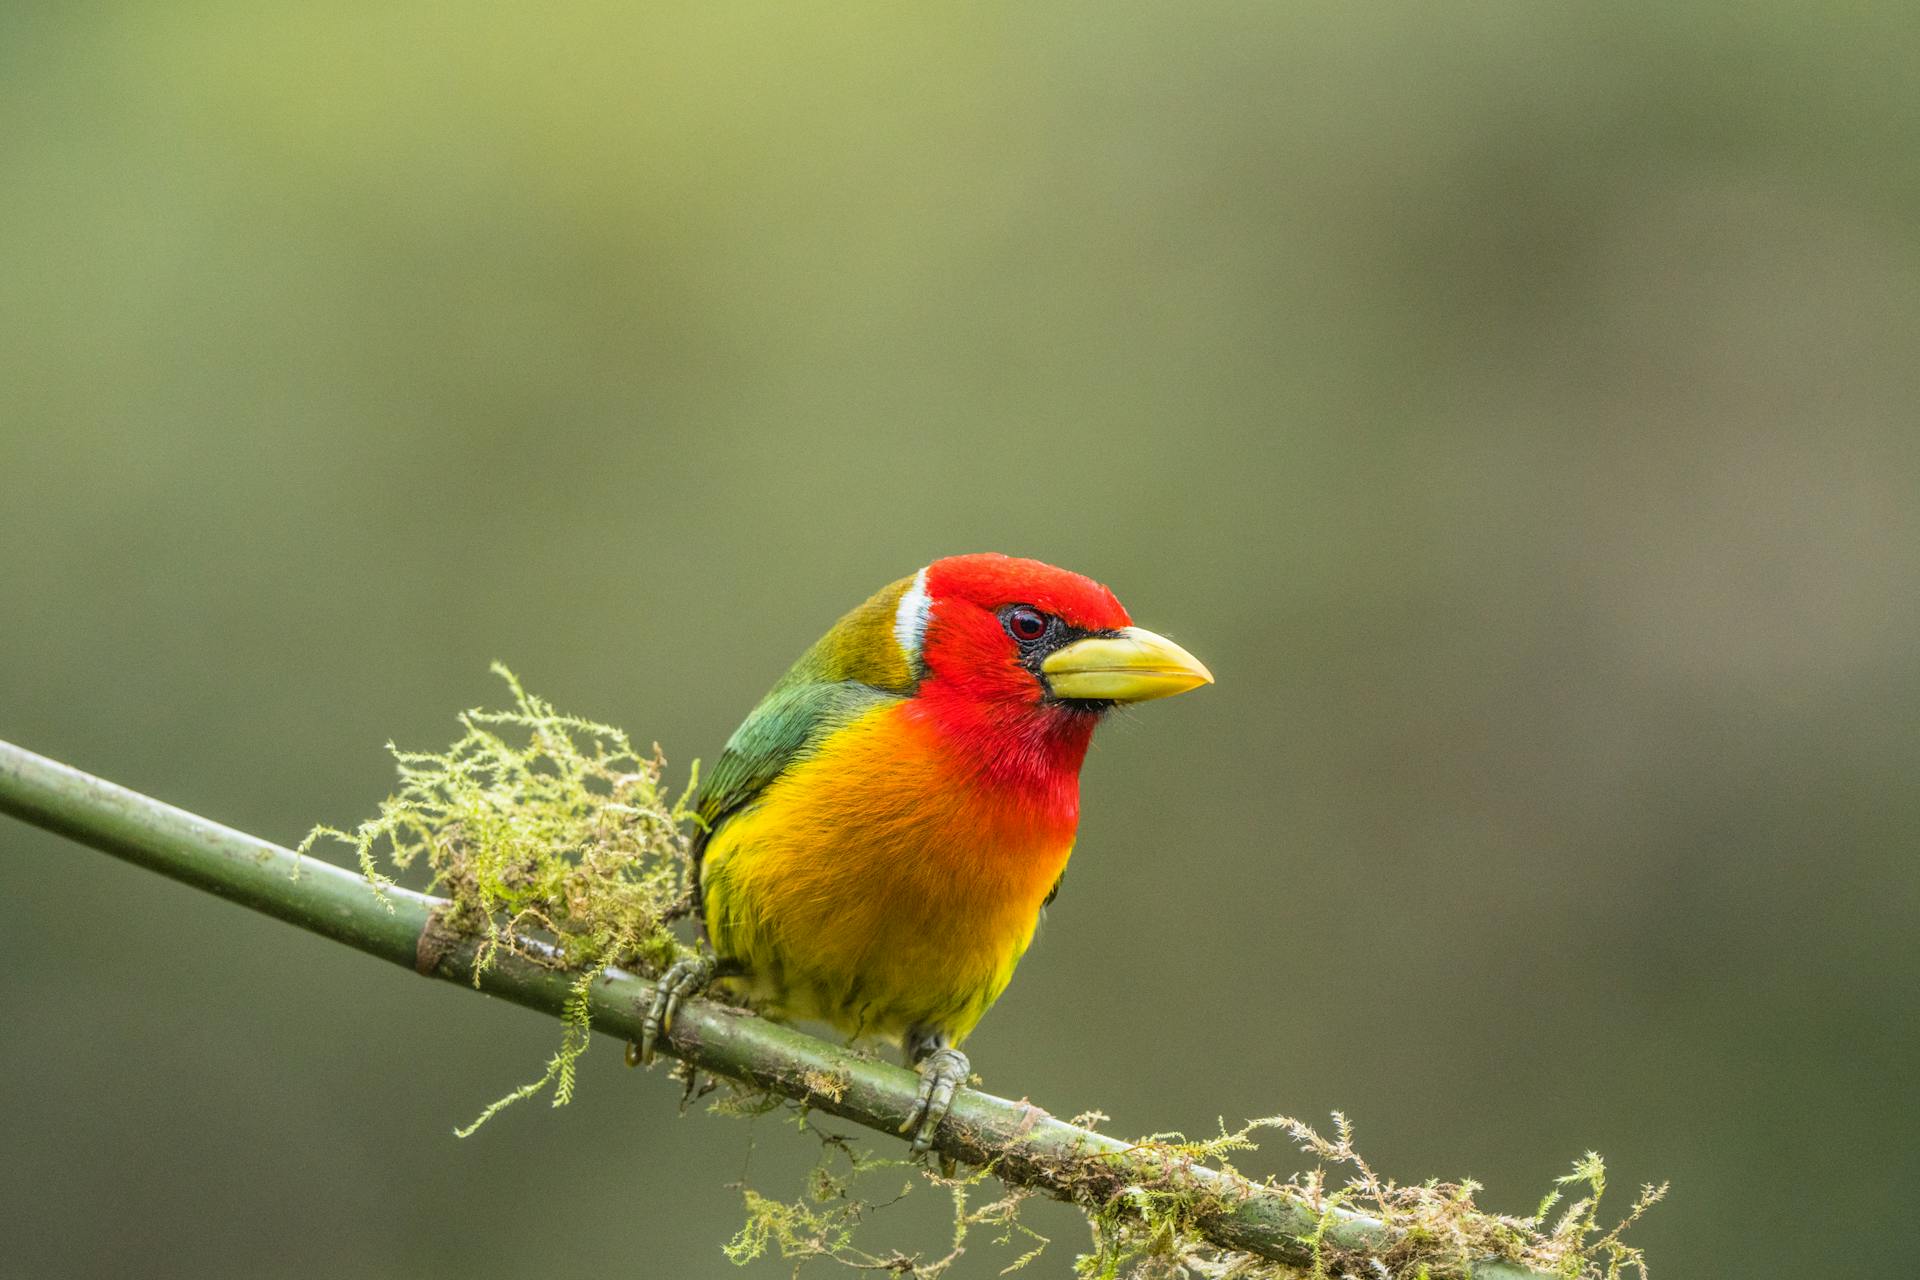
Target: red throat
[[1026, 759]]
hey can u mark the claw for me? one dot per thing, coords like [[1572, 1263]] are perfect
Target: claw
[[684, 978], [941, 1072]]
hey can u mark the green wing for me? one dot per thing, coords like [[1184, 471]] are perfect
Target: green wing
[[787, 725]]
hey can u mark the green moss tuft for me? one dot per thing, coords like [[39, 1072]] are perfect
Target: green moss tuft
[[553, 839], [1435, 1229], [1439, 1232]]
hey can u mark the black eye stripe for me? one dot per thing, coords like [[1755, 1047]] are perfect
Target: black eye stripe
[[1036, 646], [1019, 621]]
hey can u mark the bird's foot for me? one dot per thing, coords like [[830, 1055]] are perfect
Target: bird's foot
[[684, 978], [941, 1072]]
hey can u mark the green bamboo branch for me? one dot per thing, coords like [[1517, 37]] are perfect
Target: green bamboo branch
[[1022, 1144]]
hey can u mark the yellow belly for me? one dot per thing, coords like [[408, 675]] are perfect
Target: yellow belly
[[873, 887]]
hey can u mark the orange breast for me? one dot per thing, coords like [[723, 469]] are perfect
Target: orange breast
[[880, 885]]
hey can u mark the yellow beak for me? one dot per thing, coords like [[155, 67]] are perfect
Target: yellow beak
[[1132, 665]]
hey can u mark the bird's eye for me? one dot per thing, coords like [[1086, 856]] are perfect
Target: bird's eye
[[1025, 623]]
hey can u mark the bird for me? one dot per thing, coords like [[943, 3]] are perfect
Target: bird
[[878, 838]]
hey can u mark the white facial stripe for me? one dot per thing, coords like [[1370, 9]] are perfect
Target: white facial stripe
[[910, 620]]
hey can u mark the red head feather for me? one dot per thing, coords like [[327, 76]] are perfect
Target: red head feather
[[980, 695]]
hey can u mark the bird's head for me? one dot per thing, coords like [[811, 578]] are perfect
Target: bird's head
[[1008, 662], [1025, 639]]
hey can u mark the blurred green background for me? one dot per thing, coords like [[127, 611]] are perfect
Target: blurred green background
[[1513, 404]]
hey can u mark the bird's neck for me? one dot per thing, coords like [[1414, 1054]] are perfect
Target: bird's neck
[[1025, 758]]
